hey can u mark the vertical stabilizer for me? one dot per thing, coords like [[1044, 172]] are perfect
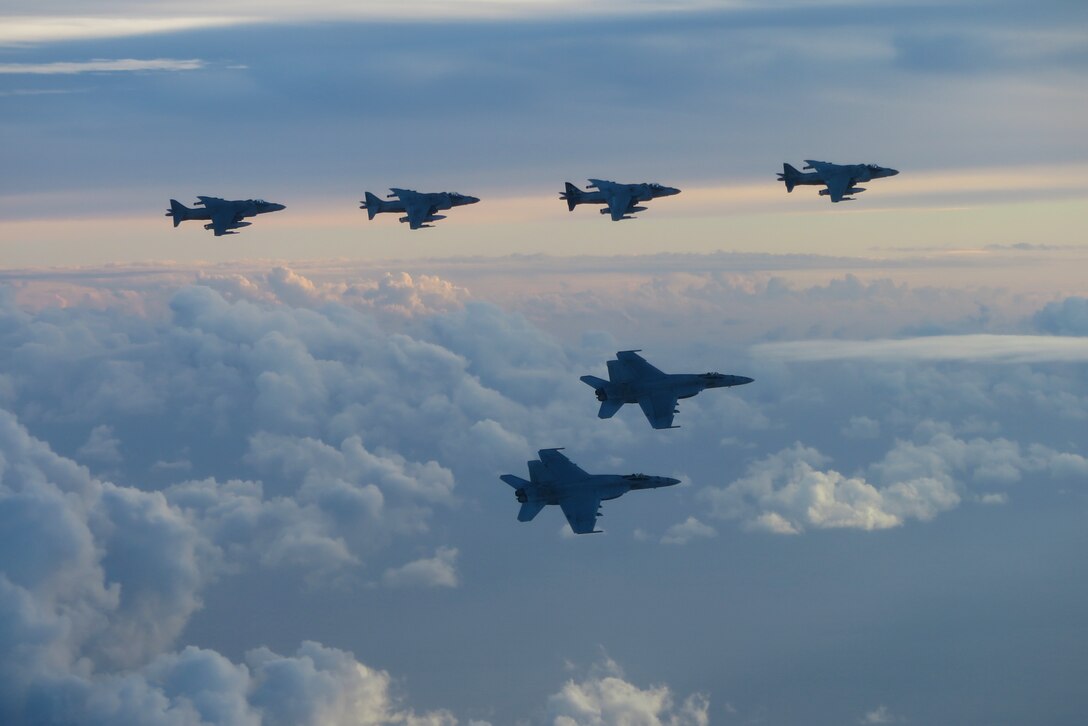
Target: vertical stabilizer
[[789, 176], [178, 211], [372, 205]]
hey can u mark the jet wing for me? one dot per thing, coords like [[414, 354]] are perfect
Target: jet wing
[[631, 367], [659, 409], [560, 467], [837, 184], [620, 202], [417, 211], [224, 216], [581, 512]]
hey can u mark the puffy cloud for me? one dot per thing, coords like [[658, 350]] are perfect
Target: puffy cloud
[[861, 427], [101, 445], [437, 571], [1066, 317], [879, 715], [683, 532], [604, 698], [793, 490]]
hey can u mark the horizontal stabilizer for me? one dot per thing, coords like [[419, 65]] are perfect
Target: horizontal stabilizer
[[594, 381], [609, 408], [529, 510], [515, 481]]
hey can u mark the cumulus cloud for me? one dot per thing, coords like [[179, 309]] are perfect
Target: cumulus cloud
[[1066, 317], [604, 698], [683, 532], [437, 571], [794, 490]]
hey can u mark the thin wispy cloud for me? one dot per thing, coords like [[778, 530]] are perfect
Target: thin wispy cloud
[[120, 65], [976, 348]]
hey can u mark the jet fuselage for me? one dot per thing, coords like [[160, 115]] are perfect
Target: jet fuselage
[[681, 385], [604, 486]]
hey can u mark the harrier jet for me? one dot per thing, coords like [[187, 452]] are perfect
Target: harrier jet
[[621, 200], [633, 380], [418, 208], [555, 480], [838, 178], [226, 215]]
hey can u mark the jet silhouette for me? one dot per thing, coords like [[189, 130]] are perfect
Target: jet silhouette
[[633, 380], [553, 479], [418, 208], [838, 178], [225, 215], [621, 200]]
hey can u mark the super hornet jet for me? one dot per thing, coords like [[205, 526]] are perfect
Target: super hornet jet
[[226, 215], [555, 480], [621, 200], [418, 208], [839, 178], [633, 380]]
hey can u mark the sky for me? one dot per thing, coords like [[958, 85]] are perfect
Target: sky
[[254, 479]]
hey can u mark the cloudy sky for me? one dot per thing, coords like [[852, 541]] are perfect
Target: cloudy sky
[[254, 479]]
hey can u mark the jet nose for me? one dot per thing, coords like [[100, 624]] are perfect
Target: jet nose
[[740, 380], [668, 481], [891, 172], [471, 200], [669, 191], [276, 207]]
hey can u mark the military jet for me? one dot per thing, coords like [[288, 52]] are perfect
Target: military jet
[[621, 200], [418, 208], [633, 380], [839, 178], [226, 215], [555, 480]]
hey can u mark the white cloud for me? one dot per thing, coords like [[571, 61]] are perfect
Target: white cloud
[[979, 348], [879, 715], [683, 532], [793, 490], [101, 445], [1065, 317], [123, 65], [604, 698], [861, 427], [437, 571]]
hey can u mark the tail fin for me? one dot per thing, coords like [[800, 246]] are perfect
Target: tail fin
[[178, 211], [372, 205], [790, 176], [573, 195]]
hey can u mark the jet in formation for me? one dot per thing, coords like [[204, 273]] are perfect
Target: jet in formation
[[225, 215], [554, 479], [418, 208], [620, 200], [633, 380], [840, 179]]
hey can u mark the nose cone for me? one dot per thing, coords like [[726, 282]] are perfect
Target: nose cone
[[739, 380], [272, 207], [665, 481], [888, 172], [465, 199], [669, 191]]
